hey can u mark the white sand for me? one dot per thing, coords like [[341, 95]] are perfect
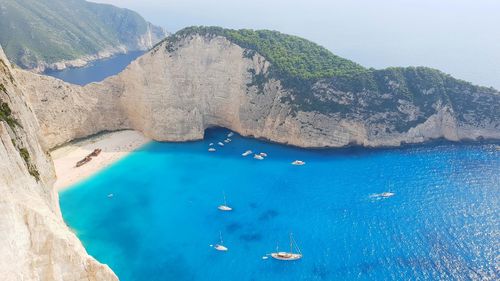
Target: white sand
[[114, 145]]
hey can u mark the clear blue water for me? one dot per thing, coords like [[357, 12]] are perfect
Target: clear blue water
[[442, 224], [96, 71]]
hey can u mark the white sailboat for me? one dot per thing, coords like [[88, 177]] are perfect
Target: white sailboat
[[224, 206], [288, 256], [220, 246]]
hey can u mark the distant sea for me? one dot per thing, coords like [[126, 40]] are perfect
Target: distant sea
[[153, 215], [96, 71]]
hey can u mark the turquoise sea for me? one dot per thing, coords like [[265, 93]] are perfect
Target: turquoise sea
[[443, 223]]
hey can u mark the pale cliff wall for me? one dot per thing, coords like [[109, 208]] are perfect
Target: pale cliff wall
[[169, 95], [174, 95], [35, 243]]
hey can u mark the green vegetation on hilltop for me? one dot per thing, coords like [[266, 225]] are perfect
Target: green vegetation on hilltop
[[290, 56], [48, 31], [320, 81]]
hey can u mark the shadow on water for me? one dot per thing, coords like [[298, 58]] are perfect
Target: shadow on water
[[268, 215], [233, 227], [251, 237]]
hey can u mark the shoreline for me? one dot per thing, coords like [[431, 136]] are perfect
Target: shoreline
[[79, 62], [114, 145]]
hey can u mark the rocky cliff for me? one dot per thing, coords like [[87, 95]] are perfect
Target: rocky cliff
[[35, 243], [183, 86], [197, 80], [55, 34]]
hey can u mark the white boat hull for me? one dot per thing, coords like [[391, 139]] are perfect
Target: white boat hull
[[220, 248], [283, 256], [258, 157], [224, 208]]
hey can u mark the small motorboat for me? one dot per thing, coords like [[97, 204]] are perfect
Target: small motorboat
[[220, 246], [386, 194], [224, 206], [230, 134], [211, 144], [383, 195], [288, 256], [211, 149], [227, 140], [220, 143], [246, 153], [110, 195], [298, 163], [263, 154], [258, 157]]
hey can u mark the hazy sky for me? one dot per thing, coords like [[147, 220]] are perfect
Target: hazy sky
[[460, 37]]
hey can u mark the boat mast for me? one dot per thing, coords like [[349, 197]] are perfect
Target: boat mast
[[291, 244], [296, 246], [220, 236], [224, 195]]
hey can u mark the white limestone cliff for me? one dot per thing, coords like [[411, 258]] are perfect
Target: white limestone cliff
[[35, 243], [169, 95], [175, 95]]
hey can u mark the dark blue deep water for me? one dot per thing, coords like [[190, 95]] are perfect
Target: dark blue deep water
[[442, 224], [96, 71]]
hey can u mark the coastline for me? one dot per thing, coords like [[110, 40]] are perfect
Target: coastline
[[114, 145], [79, 62]]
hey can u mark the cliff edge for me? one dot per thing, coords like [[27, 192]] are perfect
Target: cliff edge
[[200, 78], [35, 242]]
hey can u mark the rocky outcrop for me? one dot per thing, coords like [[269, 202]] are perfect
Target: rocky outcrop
[[56, 34], [35, 243], [142, 42], [173, 93]]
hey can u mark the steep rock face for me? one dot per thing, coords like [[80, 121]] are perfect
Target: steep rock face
[[55, 34], [175, 92], [35, 243], [67, 112]]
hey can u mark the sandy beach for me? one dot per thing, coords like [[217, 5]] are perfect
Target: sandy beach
[[114, 145]]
